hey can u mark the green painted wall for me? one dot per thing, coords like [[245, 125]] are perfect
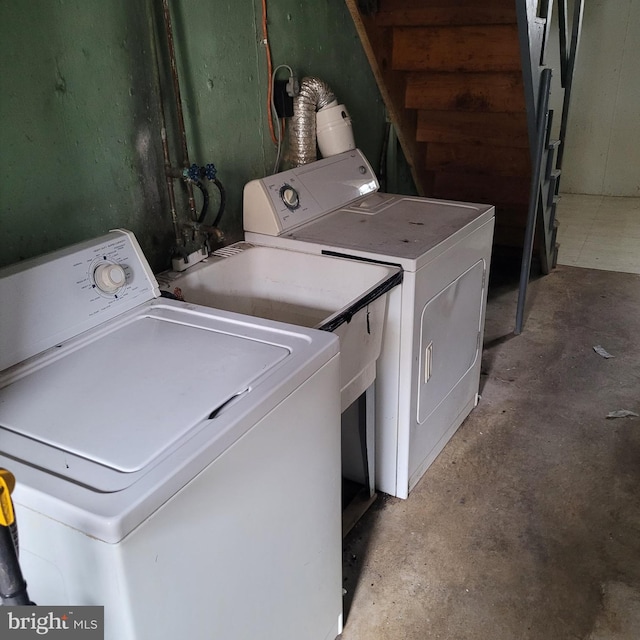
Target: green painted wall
[[80, 149]]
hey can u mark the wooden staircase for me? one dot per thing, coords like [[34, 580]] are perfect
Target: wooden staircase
[[461, 86]]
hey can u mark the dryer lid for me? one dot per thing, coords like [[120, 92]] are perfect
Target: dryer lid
[[390, 226]]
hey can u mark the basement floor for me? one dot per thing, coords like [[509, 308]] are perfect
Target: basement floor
[[527, 526]]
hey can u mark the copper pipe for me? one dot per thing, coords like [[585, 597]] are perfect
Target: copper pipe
[[169, 179], [178, 99], [163, 134]]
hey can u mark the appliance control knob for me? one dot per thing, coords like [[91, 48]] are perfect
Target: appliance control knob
[[290, 197], [109, 277]]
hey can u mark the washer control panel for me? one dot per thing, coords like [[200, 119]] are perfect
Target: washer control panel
[[109, 271], [281, 202], [54, 297]]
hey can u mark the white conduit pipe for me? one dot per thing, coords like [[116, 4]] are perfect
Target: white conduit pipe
[[314, 95]]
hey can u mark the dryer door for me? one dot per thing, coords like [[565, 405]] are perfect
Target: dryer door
[[450, 339]]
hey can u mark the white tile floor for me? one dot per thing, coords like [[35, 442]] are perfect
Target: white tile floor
[[599, 232]]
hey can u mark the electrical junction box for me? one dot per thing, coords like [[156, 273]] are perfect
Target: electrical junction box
[[282, 100]]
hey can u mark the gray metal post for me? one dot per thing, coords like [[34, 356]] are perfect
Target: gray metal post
[[578, 11], [532, 214]]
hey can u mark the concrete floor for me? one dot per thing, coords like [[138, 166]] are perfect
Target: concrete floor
[[527, 526]]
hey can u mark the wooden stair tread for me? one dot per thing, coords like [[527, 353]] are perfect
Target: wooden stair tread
[[460, 127], [470, 187], [485, 159], [491, 91], [464, 48], [441, 12]]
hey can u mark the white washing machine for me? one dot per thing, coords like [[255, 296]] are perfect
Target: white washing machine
[[429, 370], [177, 464]]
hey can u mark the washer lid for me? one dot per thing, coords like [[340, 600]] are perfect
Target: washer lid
[[99, 399]]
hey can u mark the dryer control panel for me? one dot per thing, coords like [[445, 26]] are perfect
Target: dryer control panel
[[281, 202], [52, 298]]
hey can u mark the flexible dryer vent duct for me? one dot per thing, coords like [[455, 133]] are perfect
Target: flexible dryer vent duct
[[314, 95]]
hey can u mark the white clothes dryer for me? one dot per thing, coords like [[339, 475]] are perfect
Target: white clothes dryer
[[429, 370]]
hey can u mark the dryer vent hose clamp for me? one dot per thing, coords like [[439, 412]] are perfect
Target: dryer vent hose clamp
[[315, 95]]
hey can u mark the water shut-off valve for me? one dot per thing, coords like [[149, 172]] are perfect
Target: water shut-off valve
[[194, 172]]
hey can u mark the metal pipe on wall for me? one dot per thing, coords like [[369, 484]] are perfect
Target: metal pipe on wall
[[166, 13], [163, 135]]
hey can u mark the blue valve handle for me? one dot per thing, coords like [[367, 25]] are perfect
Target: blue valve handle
[[210, 171], [194, 172]]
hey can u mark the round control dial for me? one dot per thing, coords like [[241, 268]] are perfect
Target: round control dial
[[290, 197], [109, 277]]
